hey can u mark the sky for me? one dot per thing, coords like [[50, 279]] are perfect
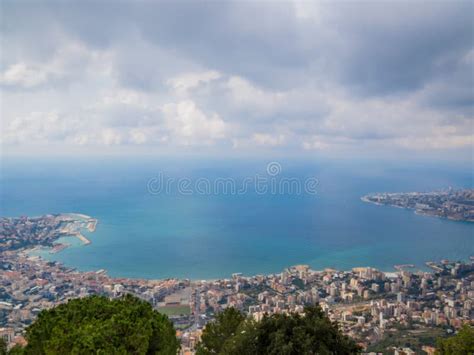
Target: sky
[[299, 78]]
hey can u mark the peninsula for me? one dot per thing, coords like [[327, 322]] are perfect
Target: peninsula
[[452, 204], [380, 310], [26, 232]]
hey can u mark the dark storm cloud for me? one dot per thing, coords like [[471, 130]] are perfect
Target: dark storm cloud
[[404, 46], [334, 72], [378, 48]]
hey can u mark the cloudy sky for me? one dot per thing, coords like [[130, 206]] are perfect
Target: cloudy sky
[[237, 77]]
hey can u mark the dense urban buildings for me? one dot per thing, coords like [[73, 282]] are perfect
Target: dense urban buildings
[[378, 309], [220, 146], [453, 204]]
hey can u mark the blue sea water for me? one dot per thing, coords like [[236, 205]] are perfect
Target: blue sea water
[[201, 236]]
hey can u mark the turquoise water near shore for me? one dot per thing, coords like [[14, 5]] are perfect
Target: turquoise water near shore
[[208, 236]]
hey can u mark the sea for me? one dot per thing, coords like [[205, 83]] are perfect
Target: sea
[[207, 224]]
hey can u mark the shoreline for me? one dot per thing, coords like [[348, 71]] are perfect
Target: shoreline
[[83, 239], [453, 207], [71, 226], [74, 223], [396, 269]]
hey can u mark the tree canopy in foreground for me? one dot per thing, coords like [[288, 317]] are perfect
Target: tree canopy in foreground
[[97, 325], [460, 344], [311, 333], [3, 347], [101, 326]]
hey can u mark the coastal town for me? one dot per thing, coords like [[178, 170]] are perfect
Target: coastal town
[[452, 204], [391, 312], [44, 231]]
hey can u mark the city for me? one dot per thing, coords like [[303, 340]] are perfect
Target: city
[[381, 310], [452, 204], [237, 177]]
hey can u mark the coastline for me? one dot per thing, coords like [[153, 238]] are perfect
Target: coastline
[[75, 223], [83, 239], [396, 269], [427, 209]]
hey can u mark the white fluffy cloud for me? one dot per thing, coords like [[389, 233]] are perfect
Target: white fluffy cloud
[[39, 127], [304, 77], [110, 137], [246, 95], [268, 139], [190, 125], [22, 75], [138, 136], [186, 81]]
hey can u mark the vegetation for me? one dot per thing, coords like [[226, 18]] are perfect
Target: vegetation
[[217, 333], [313, 333], [97, 325], [174, 310], [16, 350], [414, 339], [298, 283], [460, 344], [3, 347]]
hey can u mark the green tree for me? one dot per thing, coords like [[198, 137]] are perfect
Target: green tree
[[219, 331], [16, 350], [3, 346], [97, 325], [460, 344], [311, 333]]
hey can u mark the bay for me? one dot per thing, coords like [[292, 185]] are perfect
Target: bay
[[205, 236]]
